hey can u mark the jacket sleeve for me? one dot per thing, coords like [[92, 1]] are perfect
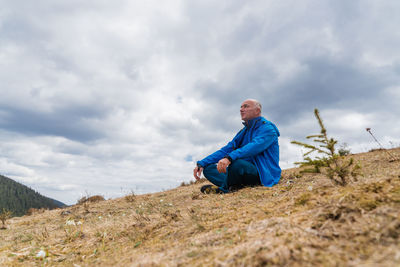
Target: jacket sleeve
[[264, 136], [224, 151], [217, 155]]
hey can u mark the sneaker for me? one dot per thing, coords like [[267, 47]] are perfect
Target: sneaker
[[210, 189]]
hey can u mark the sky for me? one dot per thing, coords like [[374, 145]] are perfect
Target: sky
[[114, 97]]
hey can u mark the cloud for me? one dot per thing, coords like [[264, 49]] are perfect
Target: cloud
[[111, 97], [326, 84], [75, 123]]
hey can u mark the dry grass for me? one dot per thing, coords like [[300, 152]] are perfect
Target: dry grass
[[302, 221]]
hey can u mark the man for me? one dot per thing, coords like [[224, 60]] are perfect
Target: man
[[251, 158]]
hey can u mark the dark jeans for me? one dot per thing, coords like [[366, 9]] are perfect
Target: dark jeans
[[240, 173]]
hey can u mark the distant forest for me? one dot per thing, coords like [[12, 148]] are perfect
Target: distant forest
[[19, 198]]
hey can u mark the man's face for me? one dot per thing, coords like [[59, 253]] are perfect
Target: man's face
[[249, 110]]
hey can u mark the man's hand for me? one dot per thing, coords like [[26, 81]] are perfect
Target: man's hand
[[223, 164], [197, 172]]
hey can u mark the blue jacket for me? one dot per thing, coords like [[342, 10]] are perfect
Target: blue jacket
[[257, 141]]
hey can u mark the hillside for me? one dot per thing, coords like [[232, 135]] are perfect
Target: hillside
[[19, 198], [302, 221]]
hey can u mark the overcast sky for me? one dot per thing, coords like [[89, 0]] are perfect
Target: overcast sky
[[109, 97]]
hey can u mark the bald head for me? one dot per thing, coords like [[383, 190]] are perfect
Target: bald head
[[250, 109]]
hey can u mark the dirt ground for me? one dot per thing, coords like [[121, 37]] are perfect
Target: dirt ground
[[302, 221]]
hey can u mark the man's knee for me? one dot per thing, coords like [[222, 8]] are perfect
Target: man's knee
[[242, 172], [208, 170], [242, 167], [237, 166]]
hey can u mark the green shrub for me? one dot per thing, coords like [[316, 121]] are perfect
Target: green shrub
[[332, 164]]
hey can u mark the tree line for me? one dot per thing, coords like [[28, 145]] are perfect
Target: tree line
[[19, 198]]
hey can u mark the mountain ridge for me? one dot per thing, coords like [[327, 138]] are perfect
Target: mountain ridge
[[19, 198]]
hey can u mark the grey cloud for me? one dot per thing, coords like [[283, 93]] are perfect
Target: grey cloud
[[324, 83], [72, 148], [253, 79], [328, 84], [72, 122], [100, 71], [19, 30]]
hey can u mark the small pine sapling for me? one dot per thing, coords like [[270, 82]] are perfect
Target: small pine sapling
[[332, 164], [4, 216]]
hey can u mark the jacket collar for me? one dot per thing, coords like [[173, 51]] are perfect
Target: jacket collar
[[251, 122]]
